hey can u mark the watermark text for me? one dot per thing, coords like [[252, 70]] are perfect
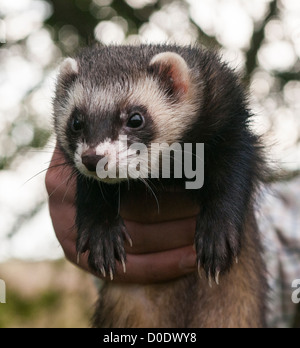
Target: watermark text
[[2, 291], [155, 161], [296, 293]]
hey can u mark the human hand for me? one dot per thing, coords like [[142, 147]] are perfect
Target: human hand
[[162, 243]]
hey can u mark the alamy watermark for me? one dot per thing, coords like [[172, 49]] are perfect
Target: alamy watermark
[[2, 291], [296, 293], [139, 161]]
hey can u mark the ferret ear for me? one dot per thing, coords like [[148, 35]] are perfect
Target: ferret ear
[[68, 72], [173, 72], [69, 67]]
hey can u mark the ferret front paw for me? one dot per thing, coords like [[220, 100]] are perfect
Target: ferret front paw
[[217, 247], [106, 247]]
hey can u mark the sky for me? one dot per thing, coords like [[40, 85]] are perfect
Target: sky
[[231, 21]]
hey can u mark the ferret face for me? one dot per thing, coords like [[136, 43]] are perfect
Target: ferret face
[[107, 133], [101, 111]]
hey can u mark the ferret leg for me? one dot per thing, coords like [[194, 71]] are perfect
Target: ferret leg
[[101, 231]]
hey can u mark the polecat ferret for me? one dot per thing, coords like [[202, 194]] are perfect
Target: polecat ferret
[[164, 94]]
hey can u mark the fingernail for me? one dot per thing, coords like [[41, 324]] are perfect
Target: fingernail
[[188, 262]]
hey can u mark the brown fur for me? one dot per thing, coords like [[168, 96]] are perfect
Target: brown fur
[[238, 302]]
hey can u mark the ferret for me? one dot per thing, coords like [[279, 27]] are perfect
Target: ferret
[[154, 94]]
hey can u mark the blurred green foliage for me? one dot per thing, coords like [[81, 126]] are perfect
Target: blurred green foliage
[[61, 296], [27, 310]]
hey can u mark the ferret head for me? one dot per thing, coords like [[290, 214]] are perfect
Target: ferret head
[[107, 95]]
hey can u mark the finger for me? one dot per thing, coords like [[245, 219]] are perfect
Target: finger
[[146, 238], [171, 206], [141, 268], [59, 182], [158, 267], [149, 238], [146, 268]]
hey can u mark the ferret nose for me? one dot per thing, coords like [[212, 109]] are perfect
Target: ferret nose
[[90, 159]]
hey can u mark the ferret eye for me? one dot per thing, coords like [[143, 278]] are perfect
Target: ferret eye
[[77, 125], [135, 121]]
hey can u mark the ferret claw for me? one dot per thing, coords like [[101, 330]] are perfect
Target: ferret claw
[[209, 280], [111, 273], [78, 258], [217, 278], [237, 260], [124, 265], [103, 272], [199, 270], [127, 237]]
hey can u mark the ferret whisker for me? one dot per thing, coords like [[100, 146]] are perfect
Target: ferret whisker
[[60, 185], [45, 170], [150, 182], [189, 153], [144, 181], [55, 160], [51, 151], [69, 184], [119, 208], [102, 191]]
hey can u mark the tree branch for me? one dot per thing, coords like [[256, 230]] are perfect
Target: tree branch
[[67, 13], [258, 38], [135, 17], [205, 39]]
